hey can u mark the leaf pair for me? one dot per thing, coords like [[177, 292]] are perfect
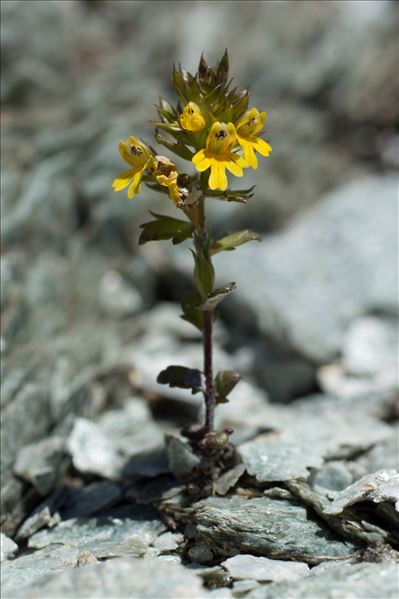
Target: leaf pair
[[191, 378]]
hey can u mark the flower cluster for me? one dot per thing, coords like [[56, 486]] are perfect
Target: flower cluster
[[211, 126]]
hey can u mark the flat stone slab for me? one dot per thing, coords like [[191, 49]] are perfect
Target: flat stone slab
[[116, 578], [92, 452], [104, 537], [25, 570], [263, 569], [382, 486], [7, 547], [340, 581], [279, 460], [276, 528]]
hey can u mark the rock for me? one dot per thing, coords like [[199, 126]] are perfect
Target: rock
[[127, 577], [358, 528], [382, 486], [169, 541], [370, 346], [228, 479], [243, 587], [92, 452], [332, 475], [8, 548], [24, 571], [339, 580], [132, 429], [181, 457], [103, 537], [41, 519], [264, 569], [279, 460], [88, 500], [116, 297], [200, 553], [266, 527], [343, 279], [42, 464]]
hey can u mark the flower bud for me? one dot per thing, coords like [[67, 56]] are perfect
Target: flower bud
[[191, 118]]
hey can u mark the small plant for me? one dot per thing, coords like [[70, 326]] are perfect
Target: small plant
[[212, 128]]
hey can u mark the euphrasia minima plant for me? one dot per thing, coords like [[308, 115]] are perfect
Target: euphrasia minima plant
[[215, 130]]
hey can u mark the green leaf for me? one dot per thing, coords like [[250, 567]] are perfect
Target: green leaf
[[192, 312], [230, 242], [204, 274], [182, 377], [237, 195], [225, 382], [217, 296], [165, 227], [176, 147]]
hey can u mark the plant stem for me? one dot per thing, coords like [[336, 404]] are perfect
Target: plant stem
[[208, 370], [201, 245]]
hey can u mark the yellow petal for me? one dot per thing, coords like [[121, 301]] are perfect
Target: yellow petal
[[218, 178], [262, 146], [250, 156], [123, 180], [202, 163], [234, 168], [135, 185], [198, 156]]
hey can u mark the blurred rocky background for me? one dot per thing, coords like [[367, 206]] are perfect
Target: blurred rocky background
[[89, 318]]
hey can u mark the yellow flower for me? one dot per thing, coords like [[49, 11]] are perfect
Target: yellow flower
[[139, 157], [166, 175], [250, 124], [218, 155], [191, 118]]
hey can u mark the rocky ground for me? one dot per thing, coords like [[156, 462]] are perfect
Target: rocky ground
[[92, 500]]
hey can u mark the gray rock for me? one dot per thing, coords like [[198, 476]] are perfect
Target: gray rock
[[42, 519], [42, 464], [242, 587], [84, 502], [27, 569], [7, 547], [265, 527], [103, 537], [264, 569], [228, 479], [382, 486], [343, 279], [333, 475], [92, 452], [132, 429], [349, 525], [279, 460], [181, 457], [200, 553], [116, 297], [370, 346], [339, 581], [123, 577], [169, 541]]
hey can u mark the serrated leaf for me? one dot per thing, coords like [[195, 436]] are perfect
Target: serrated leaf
[[165, 227], [225, 382], [182, 377], [214, 299], [230, 242]]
